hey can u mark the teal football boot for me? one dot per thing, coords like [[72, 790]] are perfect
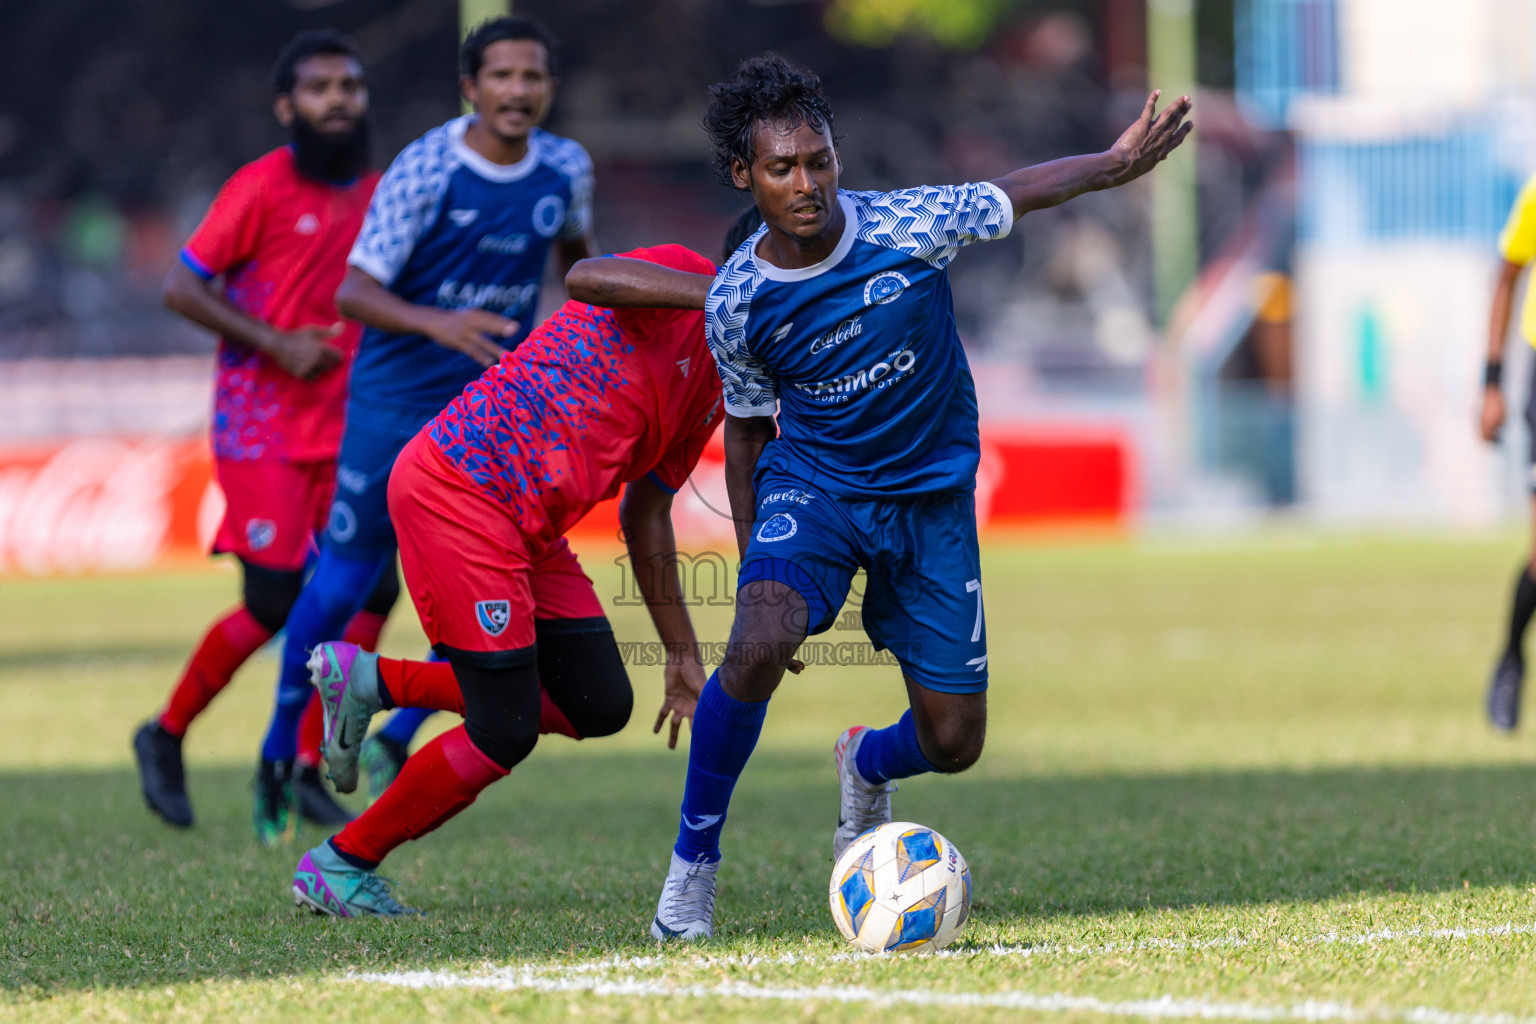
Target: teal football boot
[[347, 678], [327, 884]]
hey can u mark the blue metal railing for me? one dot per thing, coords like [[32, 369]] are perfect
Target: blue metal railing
[[1284, 49], [1448, 185]]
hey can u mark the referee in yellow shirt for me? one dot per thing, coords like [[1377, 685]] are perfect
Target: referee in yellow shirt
[[1517, 245]]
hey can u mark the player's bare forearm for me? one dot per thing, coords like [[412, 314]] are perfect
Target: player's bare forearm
[[1491, 415], [477, 333], [367, 301], [616, 281], [1051, 184], [645, 514], [1139, 149], [194, 298], [1503, 305], [306, 352], [745, 439]]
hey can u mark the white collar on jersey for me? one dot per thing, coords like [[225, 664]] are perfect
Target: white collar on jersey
[[850, 230], [487, 169]]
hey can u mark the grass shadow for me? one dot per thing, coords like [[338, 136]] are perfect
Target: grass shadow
[[53, 657], [566, 856]]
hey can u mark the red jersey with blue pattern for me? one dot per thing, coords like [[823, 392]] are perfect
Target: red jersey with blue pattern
[[281, 241], [592, 399]]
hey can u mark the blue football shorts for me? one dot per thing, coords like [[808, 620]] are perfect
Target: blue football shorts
[[922, 601], [359, 526]]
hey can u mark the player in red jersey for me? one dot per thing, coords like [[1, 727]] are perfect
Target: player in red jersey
[[278, 236], [596, 398]]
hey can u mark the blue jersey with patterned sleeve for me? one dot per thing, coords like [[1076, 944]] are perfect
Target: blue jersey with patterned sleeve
[[859, 354], [451, 229]]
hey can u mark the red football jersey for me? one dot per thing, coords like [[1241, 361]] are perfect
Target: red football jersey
[[281, 241], [592, 399]]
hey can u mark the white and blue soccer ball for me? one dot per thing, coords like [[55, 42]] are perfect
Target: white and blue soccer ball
[[900, 888]]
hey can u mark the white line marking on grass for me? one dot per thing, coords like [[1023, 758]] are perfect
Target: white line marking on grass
[[1044, 949], [515, 978]]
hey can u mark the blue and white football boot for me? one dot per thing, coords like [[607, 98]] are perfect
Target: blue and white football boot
[[863, 805], [686, 910]]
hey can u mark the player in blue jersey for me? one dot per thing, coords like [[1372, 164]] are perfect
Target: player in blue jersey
[[837, 316], [445, 276]]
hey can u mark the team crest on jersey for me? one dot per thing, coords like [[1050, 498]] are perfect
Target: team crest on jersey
[[548, 214], [780, 526], [883, 288], [260, 533], [493, 616], [307, 225]]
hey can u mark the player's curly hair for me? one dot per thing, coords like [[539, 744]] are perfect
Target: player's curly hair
[[497, 30], [307, 44], [764, 89]]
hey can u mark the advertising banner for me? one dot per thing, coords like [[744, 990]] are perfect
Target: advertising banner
[[115, 504]]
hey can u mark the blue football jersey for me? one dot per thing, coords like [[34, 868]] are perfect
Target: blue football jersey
[[859, 354], [449, 228]]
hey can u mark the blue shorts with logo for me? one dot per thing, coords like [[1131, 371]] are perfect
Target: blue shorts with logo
[[359, 526], [923, 565]]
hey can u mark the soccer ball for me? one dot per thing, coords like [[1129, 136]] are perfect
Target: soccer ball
[[900, 888]]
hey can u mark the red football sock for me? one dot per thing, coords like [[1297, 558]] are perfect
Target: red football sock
[[224, 648], [311, 731], [437, 782], [421, 684], [432, 684], [364, 630]]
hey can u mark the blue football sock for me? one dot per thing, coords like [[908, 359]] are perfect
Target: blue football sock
[[402, 725], [334, 593], [892, 753], [724, 732]]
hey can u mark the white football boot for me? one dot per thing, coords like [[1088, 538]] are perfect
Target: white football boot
[[864, 805], [686, 910]]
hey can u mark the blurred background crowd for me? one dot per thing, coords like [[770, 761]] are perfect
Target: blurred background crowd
[[1311, 345], [122, 117]]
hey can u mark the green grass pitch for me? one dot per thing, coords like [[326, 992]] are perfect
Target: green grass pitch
[[1247, 781]]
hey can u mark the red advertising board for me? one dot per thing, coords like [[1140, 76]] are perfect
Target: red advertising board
[[111, 504]]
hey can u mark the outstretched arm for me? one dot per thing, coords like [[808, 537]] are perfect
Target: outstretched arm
[[1142, 146], [617, 281]]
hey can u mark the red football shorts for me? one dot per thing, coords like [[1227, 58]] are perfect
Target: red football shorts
[[476, 583], [273, 509]]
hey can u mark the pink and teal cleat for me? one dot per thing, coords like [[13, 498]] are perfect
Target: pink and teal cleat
[[347, 678], [326, 884]]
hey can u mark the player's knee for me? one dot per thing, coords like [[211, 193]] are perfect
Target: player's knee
[[769, 615], [604, 718], [954, 744], [750, 680], [503, 739], [583, 673], [269, 594], [501, 706]]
